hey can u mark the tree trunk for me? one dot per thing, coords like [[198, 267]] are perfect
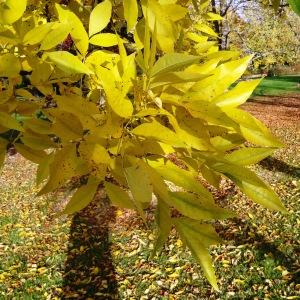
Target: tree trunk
[[217, 24]]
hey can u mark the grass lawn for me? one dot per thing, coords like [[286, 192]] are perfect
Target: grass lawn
[[103, 254], [278, 85]]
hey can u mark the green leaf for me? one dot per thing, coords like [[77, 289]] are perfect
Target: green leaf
[[251, 185], [82, 197], [118, 196], [195, 208], [198, 237], [130, 13], [100, 17], [11, 10], [172, 62], [68, 63], [156, 131], [248, 156]]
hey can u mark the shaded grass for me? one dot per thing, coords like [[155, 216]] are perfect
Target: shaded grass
[[278, 85]]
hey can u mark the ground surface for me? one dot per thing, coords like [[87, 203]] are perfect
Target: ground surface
[[87, 257]]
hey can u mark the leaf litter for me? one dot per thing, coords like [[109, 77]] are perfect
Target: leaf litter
[[103, 253]]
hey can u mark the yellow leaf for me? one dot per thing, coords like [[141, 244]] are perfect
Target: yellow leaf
[[172, 62], [3, 145], [9, 65], [38, 126], [130, 13], [79, 107], [205, 29], [94, 153], [36, 156], [68, 63], [119, 103], [248, 156], [174, 275], [82, 197], [164, 223], [213, 17], [104, 40], [198, 237], [37, 141], [66, 125], [57, 35], [193, 207], [37, 34], [252, 129], [8, 121], [11, 10], [223, 77], [139, 183], [182, 178], [64, 166], [238, 95], [118, 196], [100, 17], [43, 170], [251, 185], [156, 131], [77, 30]]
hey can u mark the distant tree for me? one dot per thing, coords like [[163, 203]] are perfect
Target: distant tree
[[274, 41], [229, 9]]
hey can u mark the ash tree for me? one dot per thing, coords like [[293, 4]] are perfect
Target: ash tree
[[111, 92]]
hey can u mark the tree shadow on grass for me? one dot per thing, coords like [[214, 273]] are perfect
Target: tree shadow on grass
[[242, 232], [274, 164], [89, 269]]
